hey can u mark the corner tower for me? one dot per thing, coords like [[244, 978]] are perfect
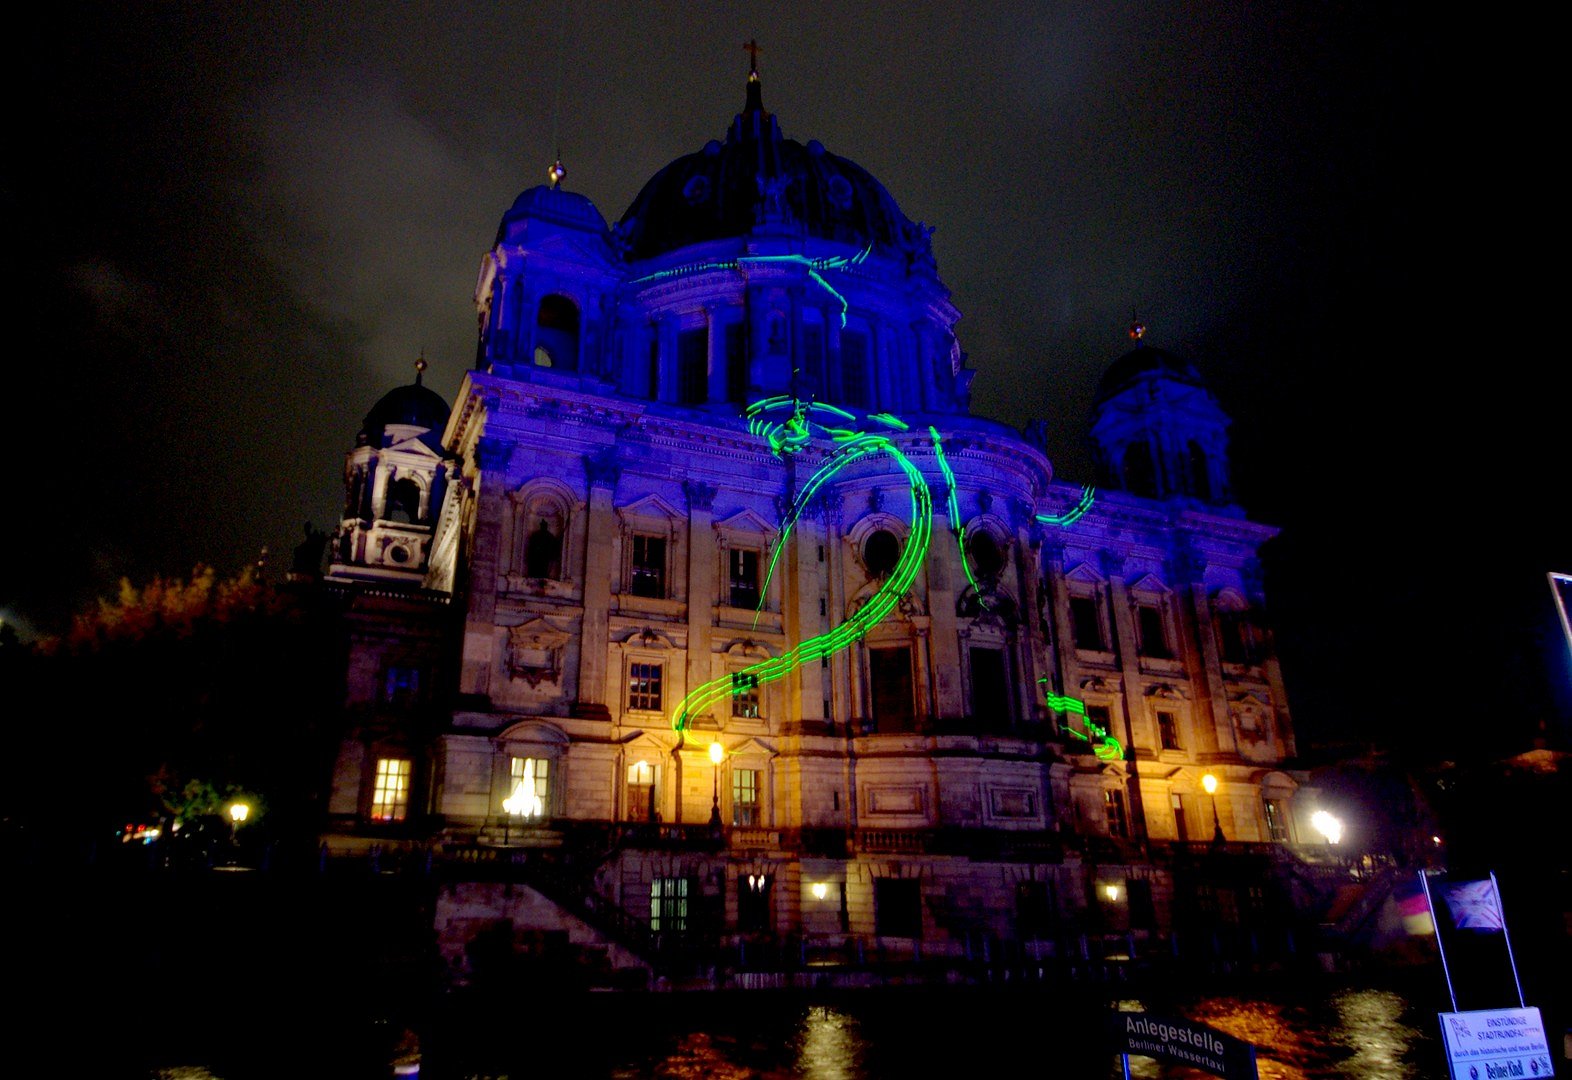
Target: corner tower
[[1157, 431]]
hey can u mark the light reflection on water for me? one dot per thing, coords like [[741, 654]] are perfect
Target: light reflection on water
[[1303, 1032]]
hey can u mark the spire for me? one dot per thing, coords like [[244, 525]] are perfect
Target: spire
[[755, 99], [556, 173], [1137, 329], [420, 367]]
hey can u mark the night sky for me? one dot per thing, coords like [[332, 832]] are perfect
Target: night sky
[[231, 228]]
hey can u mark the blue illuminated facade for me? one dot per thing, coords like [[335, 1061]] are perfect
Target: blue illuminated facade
[[598, 528]]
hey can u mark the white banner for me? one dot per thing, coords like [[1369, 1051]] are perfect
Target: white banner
[[1496, 1044]]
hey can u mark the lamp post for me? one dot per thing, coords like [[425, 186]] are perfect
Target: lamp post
[[238, 812], [1209, 783], [717, 754]]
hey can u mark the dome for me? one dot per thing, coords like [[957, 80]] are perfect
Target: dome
[[552, 204], [759, 180], [1141, 361], [411, 405]]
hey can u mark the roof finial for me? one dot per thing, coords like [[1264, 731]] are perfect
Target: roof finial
[[420, 365], [755, 102], [556, 173], [1137, 328]]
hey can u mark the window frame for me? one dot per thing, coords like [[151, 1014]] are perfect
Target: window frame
[[641, 571], [655, 671], [395, 799]]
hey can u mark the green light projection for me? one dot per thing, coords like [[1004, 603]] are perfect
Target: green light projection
[[1104, 745], [788, 424]]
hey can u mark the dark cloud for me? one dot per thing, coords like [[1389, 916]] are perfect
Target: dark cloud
[[231, 228]]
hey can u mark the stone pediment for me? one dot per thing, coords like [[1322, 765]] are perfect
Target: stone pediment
[[1086, 573], [746, 521], [751, 747], [1149, 584], [651, 506], [410, 445], [644, 637], [534, 650]]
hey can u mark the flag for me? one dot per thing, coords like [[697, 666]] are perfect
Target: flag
[[1474, 905], [1414, 910]]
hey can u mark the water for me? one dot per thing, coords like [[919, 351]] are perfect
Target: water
[[1303, 1030]]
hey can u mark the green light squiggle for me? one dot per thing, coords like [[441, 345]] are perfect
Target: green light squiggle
[[1104, 745]]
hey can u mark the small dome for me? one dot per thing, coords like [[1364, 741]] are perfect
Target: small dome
[[412, 405], [758, 179], [543, 203], [1141, 361]]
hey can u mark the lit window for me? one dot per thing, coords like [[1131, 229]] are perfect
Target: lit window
[[669, 905], [1113, 808], [390, 796], [530, 788], [644, 687], [753, 903], [745, 696], [745, 796], [649, 566], [641, 791]]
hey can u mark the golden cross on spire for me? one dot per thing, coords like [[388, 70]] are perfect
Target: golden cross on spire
[[753, 51]]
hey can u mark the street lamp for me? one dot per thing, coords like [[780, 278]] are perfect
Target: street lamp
[[1209, 783], [238, 812], [1327, 825], [717, 754]]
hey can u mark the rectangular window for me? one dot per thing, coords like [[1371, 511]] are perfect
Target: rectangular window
[[1181, 825], [1086, 624], [1153, 638], [644, 687], [401, 686], [854, 369], [736, 361], [654, 380], [743, 565], [745, 796], [813, 356], [640, 793], [1098, 715], [669, 905], [990, 688], [530, 789], [390, 796], [649, 566], [1033, 909], [897, 907], [753, 903], [1113, 809], [693, 366], [745, 696], [1276, 819], [1168, 730], [1231, 636], [890, 679]]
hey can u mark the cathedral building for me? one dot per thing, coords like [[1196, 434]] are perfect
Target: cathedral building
[[709, 608]]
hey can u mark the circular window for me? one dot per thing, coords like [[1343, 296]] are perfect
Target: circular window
[[840, 192], [880, 553], [398, 553], [696, 190], [984, 552]]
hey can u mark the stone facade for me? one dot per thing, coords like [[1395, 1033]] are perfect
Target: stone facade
[[600, 530]]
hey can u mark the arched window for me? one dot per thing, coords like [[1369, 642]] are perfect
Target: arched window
[[986, 557], [1200, 478], [403, 503], [557, 333], [543, 553], [880, 553], [1140, 473]]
